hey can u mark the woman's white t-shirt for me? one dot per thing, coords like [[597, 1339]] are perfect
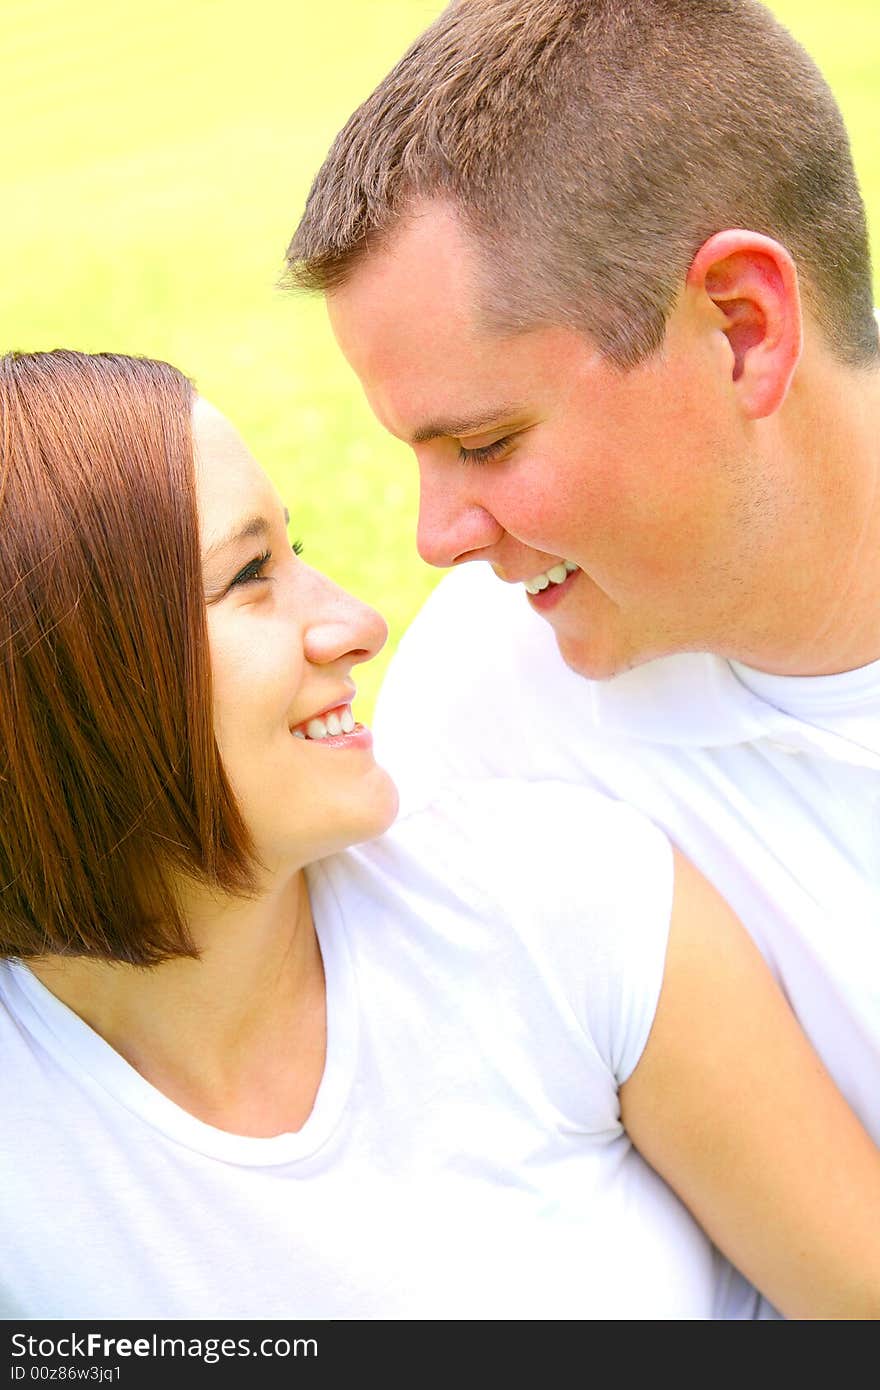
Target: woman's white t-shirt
[[493, 966]]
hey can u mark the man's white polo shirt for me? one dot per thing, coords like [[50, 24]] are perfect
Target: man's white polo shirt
[[771, 785]]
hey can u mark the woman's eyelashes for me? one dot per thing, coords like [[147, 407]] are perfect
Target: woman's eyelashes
[[487, 453], [253, 572]]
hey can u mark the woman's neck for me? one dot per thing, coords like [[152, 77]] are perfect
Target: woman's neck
[[237, 1037]]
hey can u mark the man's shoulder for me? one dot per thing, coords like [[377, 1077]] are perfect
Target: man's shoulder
[[478, 639], [468, 599], [470, 685], [477, 633]]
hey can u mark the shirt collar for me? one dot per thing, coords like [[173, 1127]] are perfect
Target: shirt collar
[[696, 700]]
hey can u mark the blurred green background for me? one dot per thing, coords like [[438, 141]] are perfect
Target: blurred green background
[[154, 164]]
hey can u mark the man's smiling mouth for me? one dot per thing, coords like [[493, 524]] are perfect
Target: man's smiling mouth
[[557, 574]]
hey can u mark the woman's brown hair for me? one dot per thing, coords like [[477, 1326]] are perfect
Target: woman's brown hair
[[111, 784]]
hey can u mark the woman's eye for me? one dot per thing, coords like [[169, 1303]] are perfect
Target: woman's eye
[[253, 571], [486, 454]]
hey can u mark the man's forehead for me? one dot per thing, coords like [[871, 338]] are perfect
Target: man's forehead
[[407, 321], [409, 337], [431, 233], [423, 273]]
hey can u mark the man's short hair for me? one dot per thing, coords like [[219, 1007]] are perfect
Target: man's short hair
[[591, 147], [111, 785]]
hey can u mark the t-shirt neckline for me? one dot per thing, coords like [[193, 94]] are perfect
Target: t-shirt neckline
[[809, 695], [89, 1058]]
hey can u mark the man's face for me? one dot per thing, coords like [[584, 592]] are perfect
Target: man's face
[[533, 451]]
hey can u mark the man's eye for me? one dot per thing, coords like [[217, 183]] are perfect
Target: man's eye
[[486, 454], [253, 571]]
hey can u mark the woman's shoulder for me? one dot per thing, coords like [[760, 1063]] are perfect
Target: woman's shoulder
[[535, 828], [553, 842], [543, 880]]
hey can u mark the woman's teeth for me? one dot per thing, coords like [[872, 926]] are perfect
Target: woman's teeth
[[338, 721], [557, 575]]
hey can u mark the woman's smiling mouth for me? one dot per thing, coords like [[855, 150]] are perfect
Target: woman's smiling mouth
[[336, 728], [339, 720]]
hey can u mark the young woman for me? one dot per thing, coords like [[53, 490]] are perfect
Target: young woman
[[249, 1071]]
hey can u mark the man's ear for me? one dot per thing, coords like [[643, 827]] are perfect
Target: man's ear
[[753, 281]]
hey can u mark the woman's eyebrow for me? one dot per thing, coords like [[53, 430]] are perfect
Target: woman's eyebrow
[[241, 531], [255, 525]]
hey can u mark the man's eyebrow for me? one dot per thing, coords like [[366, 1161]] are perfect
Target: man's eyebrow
[[242, 531], [461, 427]]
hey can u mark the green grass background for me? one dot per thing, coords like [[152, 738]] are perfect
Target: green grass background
[[154, 163]]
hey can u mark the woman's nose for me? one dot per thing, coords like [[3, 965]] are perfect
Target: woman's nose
[[343, 628]]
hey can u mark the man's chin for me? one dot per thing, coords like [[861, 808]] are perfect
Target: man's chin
[[596, 662]]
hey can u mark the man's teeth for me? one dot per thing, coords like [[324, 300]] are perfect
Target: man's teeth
[[338, 721], [557, 575]]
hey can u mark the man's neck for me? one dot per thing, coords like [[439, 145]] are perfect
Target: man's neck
[[825, 615]]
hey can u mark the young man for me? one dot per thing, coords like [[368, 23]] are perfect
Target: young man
[[604, 265]]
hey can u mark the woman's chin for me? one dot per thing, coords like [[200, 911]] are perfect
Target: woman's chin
[[380, 807], [365, 814]]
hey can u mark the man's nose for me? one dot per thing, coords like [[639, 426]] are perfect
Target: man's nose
[[453, 528]]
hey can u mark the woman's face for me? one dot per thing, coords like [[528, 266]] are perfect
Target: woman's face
[[283, 643]]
